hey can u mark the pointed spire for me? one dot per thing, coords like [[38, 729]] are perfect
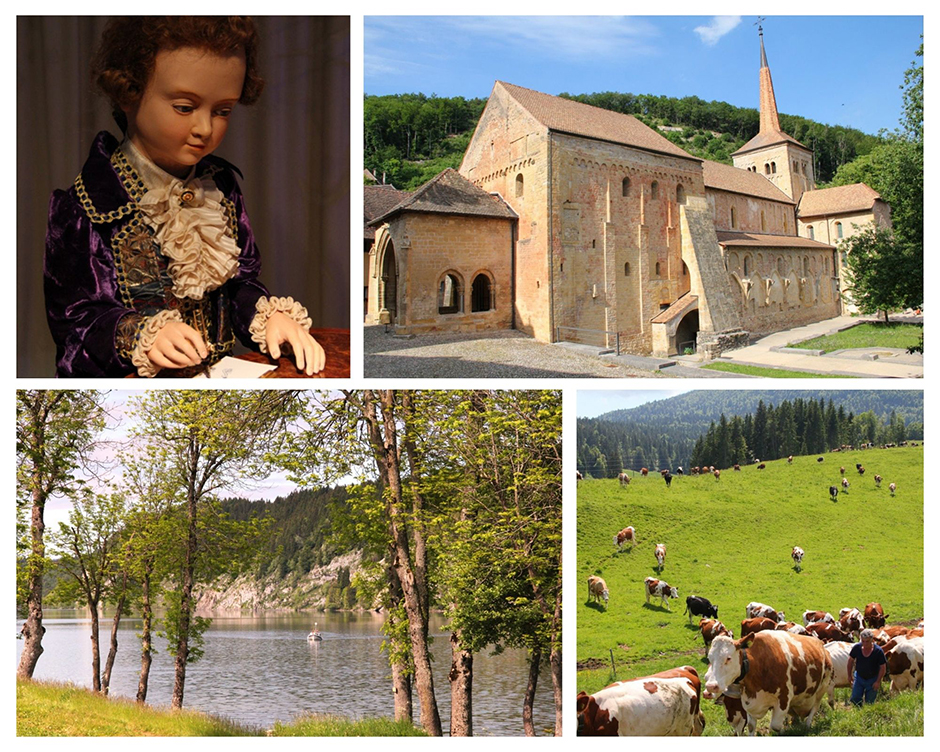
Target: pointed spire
[[769, 122]]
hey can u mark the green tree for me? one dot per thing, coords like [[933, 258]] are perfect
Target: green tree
[[56, 432], [883, 273]]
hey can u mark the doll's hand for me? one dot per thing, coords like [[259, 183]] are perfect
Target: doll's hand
[[177, 345], [308, 354]]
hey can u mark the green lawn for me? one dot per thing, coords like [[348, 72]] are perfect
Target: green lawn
[[871, 334], [47, 709], [730, 541], [772, 373]]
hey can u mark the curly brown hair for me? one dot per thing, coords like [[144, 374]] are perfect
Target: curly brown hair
[[125, 59]]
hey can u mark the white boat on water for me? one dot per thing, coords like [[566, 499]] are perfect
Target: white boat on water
[[315, 634]]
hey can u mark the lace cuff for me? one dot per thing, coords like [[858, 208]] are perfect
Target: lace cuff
[[149, 329], [267, 307]]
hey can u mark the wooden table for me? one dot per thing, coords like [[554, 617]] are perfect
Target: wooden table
[[335, 343]]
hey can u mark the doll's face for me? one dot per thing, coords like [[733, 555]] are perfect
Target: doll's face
[[184, 111]]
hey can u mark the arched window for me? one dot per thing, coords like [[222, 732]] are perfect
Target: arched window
[[654, 190], [657, 269], [838, 229], [766, 168], [773, 167], [746, 259], [680, 194], [812, 232], [626, 269], [520, 185], [450, 295], [625, 187], [796, 167], [734, 219], [481, 294], [763, 222]]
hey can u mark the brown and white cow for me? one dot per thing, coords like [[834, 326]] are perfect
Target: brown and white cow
[[624, 480], [790, 460], [660, 554], [664, 704], [878, 480], [905, 663], [827, 632], [580, 477], [814, 617], [644, 471], [737, 716], [717, 474], [797, 555], [777, 671], [792, 627], [892, 487], [755, 609], [884, 635], [875, 616], [839, 655], [710, 629], [597, 589], [659, 589], [851, 621], [627, 535], [845, 485], [757, 624]]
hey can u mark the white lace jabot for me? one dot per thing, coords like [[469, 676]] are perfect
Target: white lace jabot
[[189, 224]]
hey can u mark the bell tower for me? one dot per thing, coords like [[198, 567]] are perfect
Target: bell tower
[[780, 158]]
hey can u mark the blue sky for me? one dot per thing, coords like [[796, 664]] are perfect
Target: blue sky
[[592, 403], [839, 70]]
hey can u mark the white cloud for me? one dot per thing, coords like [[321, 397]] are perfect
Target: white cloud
[[719, 26]]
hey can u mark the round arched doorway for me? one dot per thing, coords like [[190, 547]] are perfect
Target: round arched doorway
[[687, 333]]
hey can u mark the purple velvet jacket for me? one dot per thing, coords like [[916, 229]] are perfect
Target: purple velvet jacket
[[104, 273]]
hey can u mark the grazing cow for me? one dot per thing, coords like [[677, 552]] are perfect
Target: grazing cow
[[892, 488], [845, 485], [755, 609], [580, 477], [858, 465], [841, 471], [820, 459], [757, 624], [696, 605], [878, 480], [777, 671], [884, 635], [833, 493], [762, 465], [624, 480], [679, 470], [861, 470], [797, 555], [737, 716], [790, 460], [660, 589], [815, 617], [874, 616], [737, 468], [905, 663], [667, 476], [839, 655], [792, 628], [717, 474], [660, 554], [625, 535], [850, 621], [664, 704], [644, 471], [597, 589], [827, 632], [711, 628]]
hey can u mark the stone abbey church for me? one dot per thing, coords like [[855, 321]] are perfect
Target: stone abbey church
[[570, 222]]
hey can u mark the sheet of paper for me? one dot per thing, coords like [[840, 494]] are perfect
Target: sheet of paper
[[233, 368]]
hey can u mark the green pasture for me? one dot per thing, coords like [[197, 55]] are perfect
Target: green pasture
[[730, 541], [869, 334]]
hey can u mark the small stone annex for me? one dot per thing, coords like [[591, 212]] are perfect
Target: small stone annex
[[571, 222]]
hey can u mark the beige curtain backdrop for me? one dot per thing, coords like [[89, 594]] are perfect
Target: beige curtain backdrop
[[292, 147]]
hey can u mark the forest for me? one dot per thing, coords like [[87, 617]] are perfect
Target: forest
[[695, 429]]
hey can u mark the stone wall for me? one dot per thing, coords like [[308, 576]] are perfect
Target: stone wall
[[787, 166], [751, 214]]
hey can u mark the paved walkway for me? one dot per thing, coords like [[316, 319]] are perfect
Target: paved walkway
[[880, 362]]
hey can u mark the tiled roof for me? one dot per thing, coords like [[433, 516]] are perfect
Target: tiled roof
[[723, 177], [451, 193], [840, 200], [768, 139], [577, 118], [754, 239], [377, 201]]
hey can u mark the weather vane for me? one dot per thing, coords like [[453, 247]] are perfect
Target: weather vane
[[757, 23]]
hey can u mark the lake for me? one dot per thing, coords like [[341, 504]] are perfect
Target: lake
[[260, 669]]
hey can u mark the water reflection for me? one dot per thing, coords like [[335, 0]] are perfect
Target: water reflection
[[259, 669]]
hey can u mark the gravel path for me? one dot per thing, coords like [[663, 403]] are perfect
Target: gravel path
[[502, 354]]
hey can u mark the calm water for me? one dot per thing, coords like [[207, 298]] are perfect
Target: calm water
[[259, 669]]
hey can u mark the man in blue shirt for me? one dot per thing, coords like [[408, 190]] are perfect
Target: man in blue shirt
[[868, 662]]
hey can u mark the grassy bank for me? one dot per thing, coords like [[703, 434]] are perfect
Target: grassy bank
[[770, 373], [730, 541], [47, 709], [872, 334]]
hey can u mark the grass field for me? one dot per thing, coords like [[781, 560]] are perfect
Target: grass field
[[49, 709], [770, 373], [730, 541], [873, 334]]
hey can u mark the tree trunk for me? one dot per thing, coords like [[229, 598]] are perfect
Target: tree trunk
[[556, 688], [146, 653], [887, 321], [95, 648], [401, 688], [186, 605], [112, 652], [461, 688], [535, 660], [33, 630]]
